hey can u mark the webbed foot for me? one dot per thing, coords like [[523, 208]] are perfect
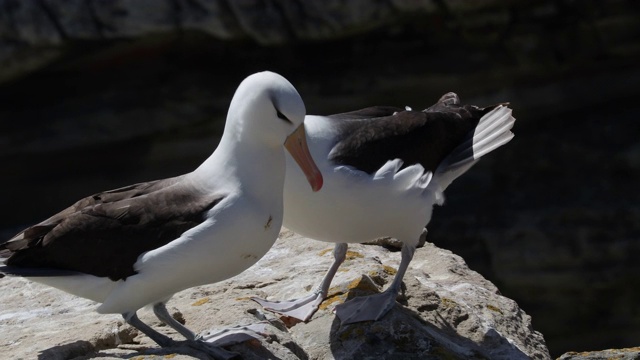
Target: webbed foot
[[366, 308], [301, 309]]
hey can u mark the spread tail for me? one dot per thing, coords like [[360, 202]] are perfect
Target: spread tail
[[493, 130]]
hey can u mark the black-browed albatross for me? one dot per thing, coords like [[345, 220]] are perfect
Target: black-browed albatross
[[384, 168], [140, 244]]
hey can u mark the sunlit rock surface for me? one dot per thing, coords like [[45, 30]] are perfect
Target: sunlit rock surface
[[445, 311]]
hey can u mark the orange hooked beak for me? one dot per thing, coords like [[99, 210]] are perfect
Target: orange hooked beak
[[296, 144]]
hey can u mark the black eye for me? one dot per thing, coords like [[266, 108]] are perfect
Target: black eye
[[282, 117]]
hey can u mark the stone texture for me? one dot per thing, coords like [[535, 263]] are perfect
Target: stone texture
[[445, 311], [30, 27], [396, 244], [617, 354]]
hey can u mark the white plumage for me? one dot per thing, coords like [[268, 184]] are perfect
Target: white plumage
[[140, 244], [357, 206]]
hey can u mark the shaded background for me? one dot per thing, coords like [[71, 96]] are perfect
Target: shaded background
[[99, 94]]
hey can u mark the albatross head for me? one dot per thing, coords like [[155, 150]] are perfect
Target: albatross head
[[267, 108]]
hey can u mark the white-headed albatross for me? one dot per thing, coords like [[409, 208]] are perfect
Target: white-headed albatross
[[140, 244], [384, 168]]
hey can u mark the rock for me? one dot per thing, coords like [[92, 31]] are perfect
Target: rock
[[445, 311], [30, 29], [396, 244], [617, 354]]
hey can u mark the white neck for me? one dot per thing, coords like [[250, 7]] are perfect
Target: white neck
[[252, 168]]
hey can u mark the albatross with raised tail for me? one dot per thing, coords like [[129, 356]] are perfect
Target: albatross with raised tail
[[384, 169]]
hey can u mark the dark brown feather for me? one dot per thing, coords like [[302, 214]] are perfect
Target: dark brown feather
[[376, 135], [104, 234]]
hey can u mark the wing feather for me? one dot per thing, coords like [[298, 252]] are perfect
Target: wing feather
[[104, 234]]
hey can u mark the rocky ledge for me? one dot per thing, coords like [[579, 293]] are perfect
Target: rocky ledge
[[446, 311], [611, 354]]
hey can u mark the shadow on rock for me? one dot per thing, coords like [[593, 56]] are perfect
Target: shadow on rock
[[67, 351], [402, 334]]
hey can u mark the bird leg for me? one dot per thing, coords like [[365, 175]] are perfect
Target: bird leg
[[304, 308], [132, 319], [374, 307], [164, 341], [160, 309], [211, 342]]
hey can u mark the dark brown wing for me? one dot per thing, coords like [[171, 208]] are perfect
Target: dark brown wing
[[424, 137], [368, 113], [104, 234]]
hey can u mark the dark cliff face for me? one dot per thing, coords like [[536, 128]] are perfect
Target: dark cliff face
[[552, 218]]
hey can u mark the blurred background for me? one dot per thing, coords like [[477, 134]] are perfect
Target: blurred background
[[99, 94]]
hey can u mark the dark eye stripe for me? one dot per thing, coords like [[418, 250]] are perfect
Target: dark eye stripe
[[282, 117]]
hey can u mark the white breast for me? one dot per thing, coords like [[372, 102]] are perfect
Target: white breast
[[354, 206]]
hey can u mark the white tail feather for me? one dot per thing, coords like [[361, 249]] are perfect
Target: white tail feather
[[493, 130]]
